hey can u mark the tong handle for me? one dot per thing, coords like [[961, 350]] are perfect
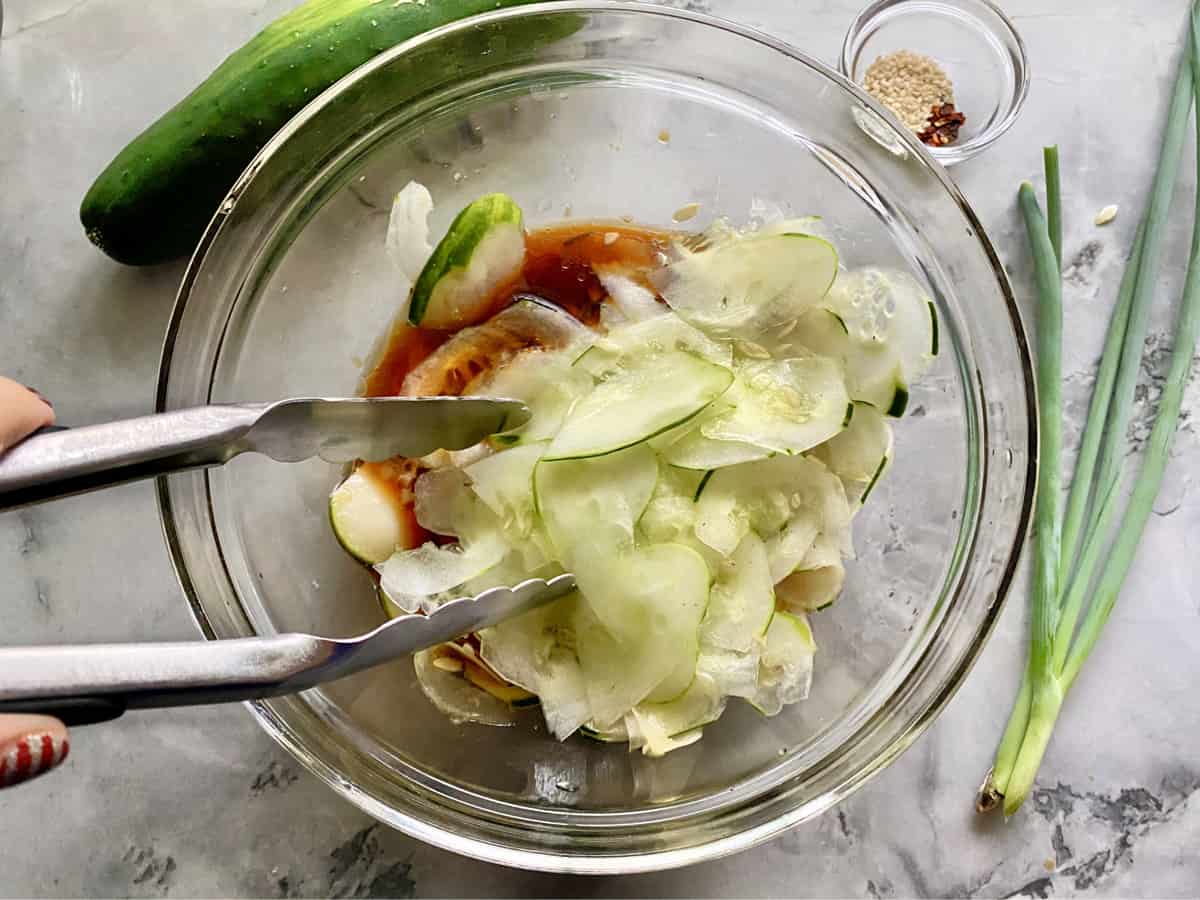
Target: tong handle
[[59, 462], [89, 683]]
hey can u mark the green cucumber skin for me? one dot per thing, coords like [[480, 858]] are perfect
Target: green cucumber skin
[[458, 246], [154, 200]]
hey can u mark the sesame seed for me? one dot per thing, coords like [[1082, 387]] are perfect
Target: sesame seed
[[910, 85]]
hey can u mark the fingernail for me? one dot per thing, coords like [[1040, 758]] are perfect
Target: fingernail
[[39, 395], [30, 756]]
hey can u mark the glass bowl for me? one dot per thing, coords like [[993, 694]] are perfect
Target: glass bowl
[[973, 41], [595, 110]]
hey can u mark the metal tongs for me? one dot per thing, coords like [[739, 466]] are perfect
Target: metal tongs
[[95, 682]]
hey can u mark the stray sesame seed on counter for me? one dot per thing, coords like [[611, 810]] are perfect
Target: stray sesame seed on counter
[[919, 92]]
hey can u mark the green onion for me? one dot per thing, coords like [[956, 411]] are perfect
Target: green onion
[[1064, 582], [1053, 200]]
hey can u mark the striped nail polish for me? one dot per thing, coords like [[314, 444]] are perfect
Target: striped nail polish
[[30, 756]]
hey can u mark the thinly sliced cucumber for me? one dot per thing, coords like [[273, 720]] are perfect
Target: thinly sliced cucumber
[[649, 396], [742, 601], [736, 674], [618, 734], [793, 543], [656, 728], [808, 590], [574, 496], [535, 652], [859, 454], [698, 452], [457, 698], [760, 496], [785, 670], [633, 646], [367, 518], [746, 284], [662, 333], [504, 482], [412, 579], [483, 250], [872, 373], [408, 229], [549, 386], [468, 361], [888, 308], [632, 301], [785, 406]]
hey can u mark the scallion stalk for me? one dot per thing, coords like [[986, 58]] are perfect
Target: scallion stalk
[[1062, 582]]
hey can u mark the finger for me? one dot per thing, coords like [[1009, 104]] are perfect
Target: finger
[[22, 412], [30, 746]]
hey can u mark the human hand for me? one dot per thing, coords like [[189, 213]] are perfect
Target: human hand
[[29, 745]]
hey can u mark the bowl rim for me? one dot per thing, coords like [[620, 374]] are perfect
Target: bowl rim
[[954, 153], [651, 860]]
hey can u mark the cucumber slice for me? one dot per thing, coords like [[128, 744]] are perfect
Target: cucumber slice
[[761, 496], [785, 669], [860, 453], [648, 396], [573, 497], [663, 333], [504, 482], [742, 601], [419, 579], [686, 447], [632, 646], [632, 301], [468, 361], [784, 406], [457, 698], [548, 385], [658, 728], [618, 734], [408, 229], [483, 250], [889, 308], [534, 651], [872, 373], [808, 590], [736, 674], [748, 284], [367, 518]]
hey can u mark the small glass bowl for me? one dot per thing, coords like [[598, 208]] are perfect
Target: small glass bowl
[[972, 40]]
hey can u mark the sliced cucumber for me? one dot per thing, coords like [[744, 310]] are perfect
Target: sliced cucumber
[[888, 308], [859, 454], [483, 250], [872, 372], [504, 482], [535, 651], [367, 518], [649, 396], [408, 229], [746, 284], [661, 334], [736, 674], [417, 579], [784, 406], [457, 698], [467, 361], [785, 669], [549, 386], [742, 601], [632, 301], [618, 734], [573, 497], [760, 496], [656, 728], [807, 590], [633, 646]]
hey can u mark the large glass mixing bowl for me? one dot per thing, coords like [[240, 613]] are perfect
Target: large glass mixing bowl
[[596, 110]]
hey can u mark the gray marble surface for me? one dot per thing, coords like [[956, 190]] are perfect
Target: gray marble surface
[[200, 802]]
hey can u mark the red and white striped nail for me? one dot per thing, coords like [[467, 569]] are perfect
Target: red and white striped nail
[[31, 755]]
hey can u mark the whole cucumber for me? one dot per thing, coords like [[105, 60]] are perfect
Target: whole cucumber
[[155, 199]]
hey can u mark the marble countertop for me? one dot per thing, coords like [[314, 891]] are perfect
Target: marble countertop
[[200, 802]]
